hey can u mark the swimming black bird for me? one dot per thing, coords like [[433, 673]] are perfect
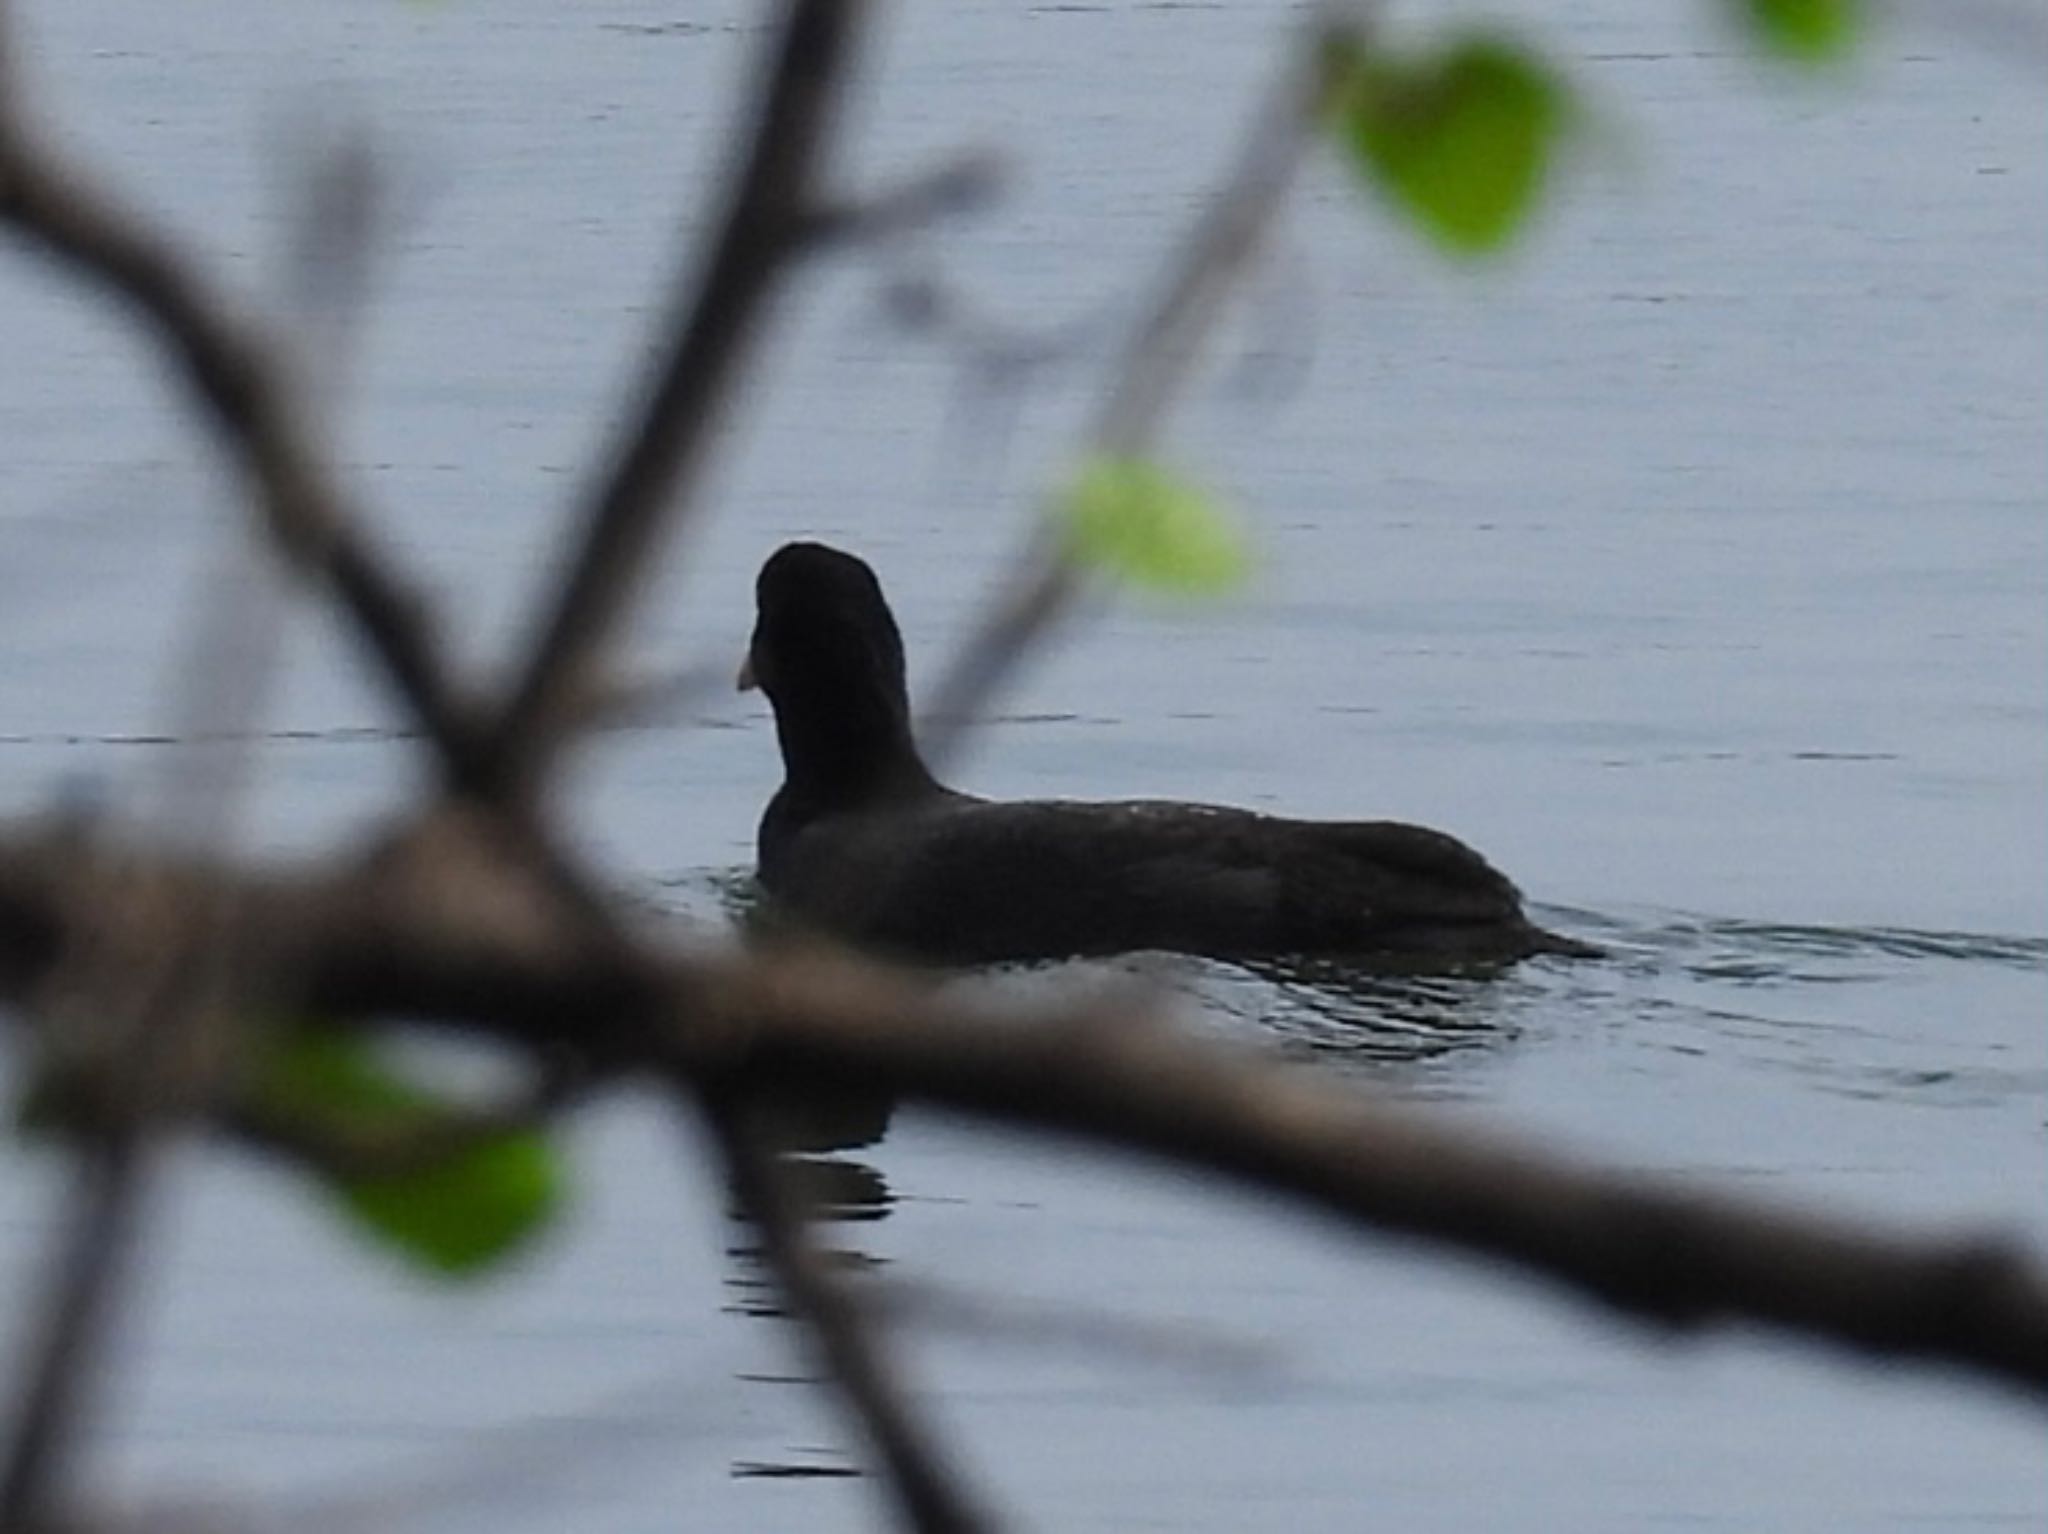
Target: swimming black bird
[[862, 841]]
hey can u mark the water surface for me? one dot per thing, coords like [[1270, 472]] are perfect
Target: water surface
[[1691, 565]]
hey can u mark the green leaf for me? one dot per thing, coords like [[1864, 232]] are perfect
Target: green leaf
[[1805, 31], [455, 1216], [464, 1214], [1141, 523], [1462, 141]]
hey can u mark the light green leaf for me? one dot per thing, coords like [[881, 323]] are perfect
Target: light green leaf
[[1806, 31], [455, 1216], [463, 1214], [1141, 523], [1462, 141]]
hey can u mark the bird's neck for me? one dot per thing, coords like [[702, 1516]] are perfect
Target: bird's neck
[[856, 753]]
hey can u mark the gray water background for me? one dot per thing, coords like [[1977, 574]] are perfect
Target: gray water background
[[1691, 564]]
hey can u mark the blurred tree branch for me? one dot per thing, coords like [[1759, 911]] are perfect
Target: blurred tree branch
[[1157, 364], [426, 943]]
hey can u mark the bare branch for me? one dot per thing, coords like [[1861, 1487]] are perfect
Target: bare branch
[[1656, 1250], [128, 1008], [637, 702], [1157, 365], [1653, 1249], [663, 449], [928, 1491], [79, 1292]]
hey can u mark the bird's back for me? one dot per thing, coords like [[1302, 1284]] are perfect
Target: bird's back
[[969, 880]]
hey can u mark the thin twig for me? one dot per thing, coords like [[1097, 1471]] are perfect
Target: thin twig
[[645, 488], [1157, 365], [964, 182], [928, 1490], [131, 1009], [106, 1192]]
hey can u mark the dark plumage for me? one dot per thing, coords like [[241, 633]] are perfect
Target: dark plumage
[[863, 841]]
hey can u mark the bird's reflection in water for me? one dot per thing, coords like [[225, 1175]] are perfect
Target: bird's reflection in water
[[808, 1135], [1336, 1012]]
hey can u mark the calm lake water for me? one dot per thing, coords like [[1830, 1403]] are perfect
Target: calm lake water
[[1691, 564]]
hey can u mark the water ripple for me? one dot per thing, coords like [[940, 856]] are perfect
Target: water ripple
[[1932, 1016], [1738, 948]]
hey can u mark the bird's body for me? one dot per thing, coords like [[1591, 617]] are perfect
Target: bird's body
[[863, 841]]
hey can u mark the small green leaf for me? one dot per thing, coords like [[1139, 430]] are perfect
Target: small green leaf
[[1462, 141], [455, 1216], [463, 1214], [1805, 31], [1143, 524]]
